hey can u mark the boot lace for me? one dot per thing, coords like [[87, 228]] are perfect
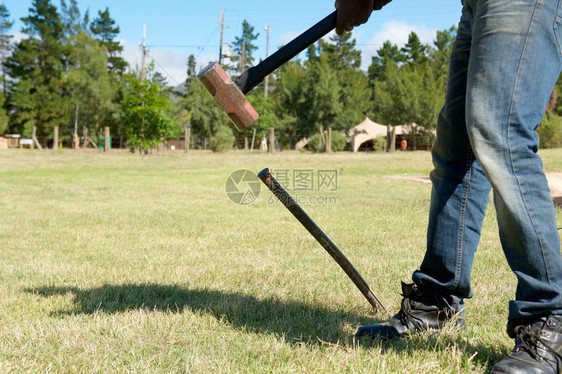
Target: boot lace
[[405, 314], [530, 339]]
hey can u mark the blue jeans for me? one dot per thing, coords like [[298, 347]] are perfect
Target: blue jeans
[[505, 62]]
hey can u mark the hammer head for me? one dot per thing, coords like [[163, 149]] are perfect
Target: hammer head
[[229, 97]]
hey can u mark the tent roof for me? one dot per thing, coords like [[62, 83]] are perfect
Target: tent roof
[[368, 130]]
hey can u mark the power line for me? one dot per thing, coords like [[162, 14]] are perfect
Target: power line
[[164, 69]]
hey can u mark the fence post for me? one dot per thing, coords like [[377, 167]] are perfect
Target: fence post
[[107, 143], [186, 140], [85, 134], [55, 138], [329, 141], [271, 139], [35, 141]]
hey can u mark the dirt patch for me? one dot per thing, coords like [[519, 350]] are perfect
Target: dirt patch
[[554, 182], [414, 178]]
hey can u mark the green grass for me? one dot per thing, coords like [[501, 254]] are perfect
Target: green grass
[[122, 263]]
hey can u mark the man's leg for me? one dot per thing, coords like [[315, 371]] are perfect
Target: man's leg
[[458, 203], [514, 64], [460, 190]]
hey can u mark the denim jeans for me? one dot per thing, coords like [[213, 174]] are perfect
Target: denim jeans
[[505, 61]]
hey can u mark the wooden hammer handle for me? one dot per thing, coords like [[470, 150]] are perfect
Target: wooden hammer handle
[[253, 76], [321, 237]]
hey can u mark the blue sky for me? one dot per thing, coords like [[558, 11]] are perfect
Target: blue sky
[[175, 28]]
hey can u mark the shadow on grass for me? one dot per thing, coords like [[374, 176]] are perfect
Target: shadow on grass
[[294, 321]]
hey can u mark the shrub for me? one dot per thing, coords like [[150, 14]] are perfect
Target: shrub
[[315, 144], [223, 140], [379, 144], [550, 132], [338, 141]]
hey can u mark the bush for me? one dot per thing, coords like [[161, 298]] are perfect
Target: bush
[[223, 140], [379, 144], [338, 141], [550, 132], [315, 144]]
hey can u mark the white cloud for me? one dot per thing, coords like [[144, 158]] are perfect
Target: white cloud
[[18, 36], [170, 63], [397, 33], [285, 39], [131, 53]]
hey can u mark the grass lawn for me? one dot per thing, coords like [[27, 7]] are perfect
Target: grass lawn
[[125, 263]]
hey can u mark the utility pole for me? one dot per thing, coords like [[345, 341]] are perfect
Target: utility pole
[[266, 28], [143, 47], [75, 138], [143, 73], [222, 35], [243, 58]]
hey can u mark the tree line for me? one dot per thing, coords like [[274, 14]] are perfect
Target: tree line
[[67, 70]]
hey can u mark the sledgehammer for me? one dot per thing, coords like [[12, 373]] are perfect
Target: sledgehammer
[[231, 95]]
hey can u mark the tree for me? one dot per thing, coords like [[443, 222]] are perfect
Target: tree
[[421, 97], [414, 50], [4, 119], [243, 45], [322, 96], [338, 62], [90, 85], [355, 98], [409, 95], [206, 116], [440, 55], [159, 79], [105, 30], [144, 114], [71, 18], [5, 45], [341, 52], [388, 54], [191, 72], [37, 65], [288, 100]]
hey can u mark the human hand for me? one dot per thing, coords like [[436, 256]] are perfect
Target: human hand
[[353, 13]]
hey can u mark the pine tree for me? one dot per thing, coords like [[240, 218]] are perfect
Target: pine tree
[[244, 42], [191, 72], [388, 54], [103, 27], [90, 85], [342, 52], [71, 18], [38, 64], [414, 50], [5, 45]]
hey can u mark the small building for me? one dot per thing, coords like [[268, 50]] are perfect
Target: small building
[[13, 140]]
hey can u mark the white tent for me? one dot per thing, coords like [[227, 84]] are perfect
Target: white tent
[[301, 143], [368, 130]]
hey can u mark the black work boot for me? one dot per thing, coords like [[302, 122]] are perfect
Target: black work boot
[[538, 348], [417, 313]]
